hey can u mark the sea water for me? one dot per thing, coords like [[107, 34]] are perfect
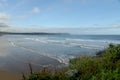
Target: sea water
[[62, 47]]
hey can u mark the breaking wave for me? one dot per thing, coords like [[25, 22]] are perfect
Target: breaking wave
[[66, 42]]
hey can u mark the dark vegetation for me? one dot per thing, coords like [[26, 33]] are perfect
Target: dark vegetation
[[104, 67], [31, 33]]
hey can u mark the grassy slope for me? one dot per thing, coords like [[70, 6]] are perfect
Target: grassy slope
[[105, 67]]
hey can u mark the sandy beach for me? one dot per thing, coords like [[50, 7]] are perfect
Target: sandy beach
[[3, 46], [4, 74], [14, 61]]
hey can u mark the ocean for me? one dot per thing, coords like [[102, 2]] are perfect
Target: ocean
[[46, 50], [63, 47]]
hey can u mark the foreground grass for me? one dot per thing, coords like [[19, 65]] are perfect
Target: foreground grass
[[105, 66]]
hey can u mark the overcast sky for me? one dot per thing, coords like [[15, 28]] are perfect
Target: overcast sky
[[75, 16]]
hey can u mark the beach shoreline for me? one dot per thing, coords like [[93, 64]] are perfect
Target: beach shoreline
[[12, 61], [6, 75]]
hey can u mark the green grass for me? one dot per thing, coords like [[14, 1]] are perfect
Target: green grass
[[105, 67]]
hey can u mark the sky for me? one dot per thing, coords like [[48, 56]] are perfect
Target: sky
[[73, 16]]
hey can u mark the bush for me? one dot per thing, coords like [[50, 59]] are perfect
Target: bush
[[112, 53], [105, 67]]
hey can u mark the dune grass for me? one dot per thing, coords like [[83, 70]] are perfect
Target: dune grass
[[103, 67]]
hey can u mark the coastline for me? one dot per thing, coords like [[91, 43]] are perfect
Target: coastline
[[11, 60], [6, 75]]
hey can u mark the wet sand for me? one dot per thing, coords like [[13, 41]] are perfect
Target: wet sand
[[3, 46], [5, 75], [16, 60]]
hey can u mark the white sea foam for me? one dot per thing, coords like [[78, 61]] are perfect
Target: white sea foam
[[42, 40], [65, 43], [61, 58], [68, 42], [87, 46], [12, 43], [75, 42], [91, 40]]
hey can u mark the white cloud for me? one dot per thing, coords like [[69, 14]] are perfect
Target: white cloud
[[4, 16], [36, 10], [29, 13], [116, 26], [4, 25]]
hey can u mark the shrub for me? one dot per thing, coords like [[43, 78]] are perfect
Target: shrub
[[105, 67]]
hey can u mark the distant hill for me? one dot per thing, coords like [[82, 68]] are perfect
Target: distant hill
[[31, 33]]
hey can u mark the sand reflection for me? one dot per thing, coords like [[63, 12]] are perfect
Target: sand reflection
[[3, 46]]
